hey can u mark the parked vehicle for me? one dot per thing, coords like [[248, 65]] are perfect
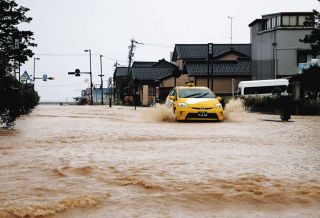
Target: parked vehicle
[[194, 103], [262, 87]]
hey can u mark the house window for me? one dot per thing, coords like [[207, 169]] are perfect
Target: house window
[[285, 21], [269, 24], [264, 90], [293, 20], [302, 57], [302, 19], [273, 22], [173, 92], [278, 21]]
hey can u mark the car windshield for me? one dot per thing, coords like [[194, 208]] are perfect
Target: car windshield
[[196, 93]]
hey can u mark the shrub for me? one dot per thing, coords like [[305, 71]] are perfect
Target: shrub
[[15, 99], [268, 104]]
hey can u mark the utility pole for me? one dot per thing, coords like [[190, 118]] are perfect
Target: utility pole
[[231, 18], [110, 91], [232, 86], [101, 85], [209, 57], [91, 84], [130, 56]]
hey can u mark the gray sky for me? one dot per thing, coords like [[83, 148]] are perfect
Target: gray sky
[[64, 28]]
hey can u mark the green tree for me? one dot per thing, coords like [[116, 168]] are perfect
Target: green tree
[[14, 50], [314, 37]]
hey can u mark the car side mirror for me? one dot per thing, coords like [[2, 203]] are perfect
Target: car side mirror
[[172, 98], [219, 98]]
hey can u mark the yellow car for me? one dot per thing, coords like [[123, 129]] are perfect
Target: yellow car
[[195, 103]]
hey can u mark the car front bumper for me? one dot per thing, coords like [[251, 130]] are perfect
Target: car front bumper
[[196, 114]]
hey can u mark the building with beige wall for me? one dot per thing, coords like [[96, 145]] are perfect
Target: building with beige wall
[[218, 66]]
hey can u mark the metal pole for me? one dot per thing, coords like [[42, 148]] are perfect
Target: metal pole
[[101, 79], [91, 78], [212, 77], [208, 73], [19, 70], [129, 64], [231, 18], [91, 84], [34, 71], [231, 31], [133, 42], [110, 95], [232, 81]]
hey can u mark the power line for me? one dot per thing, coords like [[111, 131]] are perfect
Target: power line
[[59, 54], [158, 45], [73, 55], [67, 85]]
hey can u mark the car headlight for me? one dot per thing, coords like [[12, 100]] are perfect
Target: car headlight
[[183, 105], [218, 105]]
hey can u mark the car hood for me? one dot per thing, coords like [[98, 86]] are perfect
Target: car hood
[[205, 102]]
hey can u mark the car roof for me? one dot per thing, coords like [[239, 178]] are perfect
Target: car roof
[[192, 87]]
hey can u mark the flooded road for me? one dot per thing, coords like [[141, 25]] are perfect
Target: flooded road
[[83, 161]]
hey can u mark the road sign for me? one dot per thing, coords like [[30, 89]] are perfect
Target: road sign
[[25, 76]]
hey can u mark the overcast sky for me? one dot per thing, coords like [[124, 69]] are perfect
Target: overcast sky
[[64, 28]]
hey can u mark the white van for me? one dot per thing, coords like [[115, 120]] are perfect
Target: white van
[[262, 87]]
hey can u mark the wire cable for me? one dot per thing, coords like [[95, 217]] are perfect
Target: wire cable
[[74, 54]]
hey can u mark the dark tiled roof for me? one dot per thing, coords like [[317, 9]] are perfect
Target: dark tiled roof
[[223, 68], [200, 51], [160, 63], [121, 71], [163, 63], [151, 73], [143, 64]]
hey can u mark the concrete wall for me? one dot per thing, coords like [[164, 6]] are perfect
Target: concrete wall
[[284, 51], [262, 57], [287, 48]]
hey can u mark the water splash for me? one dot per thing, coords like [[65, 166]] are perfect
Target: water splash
[[235, 110], [159, 113]]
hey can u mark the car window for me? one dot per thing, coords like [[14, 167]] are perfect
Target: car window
[[196, 93], [174, 93], [170, 93]]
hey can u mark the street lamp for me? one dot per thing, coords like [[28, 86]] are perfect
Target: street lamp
[[34, 70], [91, 84], [101, 85]]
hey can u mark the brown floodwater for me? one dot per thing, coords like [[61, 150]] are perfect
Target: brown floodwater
[[93, 161]]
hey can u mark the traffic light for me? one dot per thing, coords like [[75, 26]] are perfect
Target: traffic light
[[77, 72]]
